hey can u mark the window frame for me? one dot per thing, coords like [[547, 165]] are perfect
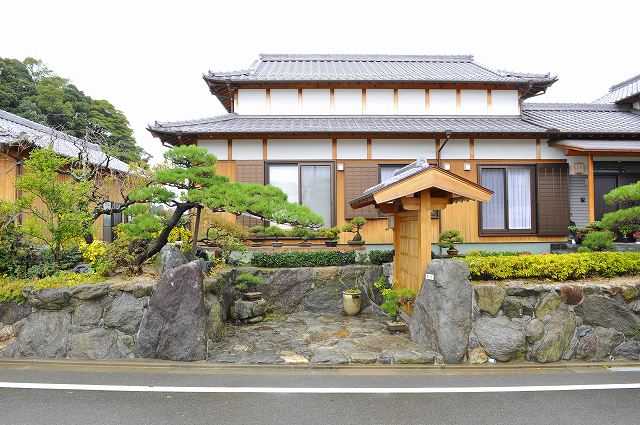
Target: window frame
[[299, 164], [388, 165], [534, 201]]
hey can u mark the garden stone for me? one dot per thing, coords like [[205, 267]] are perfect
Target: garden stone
[[546, 318], [81, 268], [11, 312], [630, 292], [558, 336], [324, 300], [143, 289], [629, 350], [635, 306], [533, 330], [477, 356], [90, 291], [414, 357], [49, 299], [571, 294], [329, 357], [362, 357], [174, 327], [264, 357], [598, 310], [597, 345], [442, 312], [286, 288], [473, 341], [44, 334], [289, 357], [6, 333], [170, 257], [547, 304], [583, 330], [252, 320], [243, 310], [125, 313], [489, 298], [501, 338], [87, 314], [517, 306], [215, 327], [523, 290], [98, 344]]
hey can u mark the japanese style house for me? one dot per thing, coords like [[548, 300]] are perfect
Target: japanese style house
[[326, 127]]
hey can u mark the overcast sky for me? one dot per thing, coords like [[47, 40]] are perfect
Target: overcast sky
[[147, 58]]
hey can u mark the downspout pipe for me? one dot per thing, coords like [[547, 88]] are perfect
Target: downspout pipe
[[442, 145]]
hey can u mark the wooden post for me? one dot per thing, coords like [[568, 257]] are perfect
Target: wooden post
[[424, 239], [591, 190]]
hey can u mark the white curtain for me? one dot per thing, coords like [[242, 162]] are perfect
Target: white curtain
[[519, 198], [316, 190], [285, 176], [493, 211]]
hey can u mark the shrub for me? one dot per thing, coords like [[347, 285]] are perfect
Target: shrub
[[331, 233], [11, 289], [381, 256], [554, 267], [246, 282], [303, 258], [496, 253], [624, 221], [394, 299], [449, 238], [598, 241]]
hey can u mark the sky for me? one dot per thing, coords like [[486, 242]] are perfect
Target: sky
[[148, 57]]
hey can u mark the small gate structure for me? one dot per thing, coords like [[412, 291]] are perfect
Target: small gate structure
[[410, 195]]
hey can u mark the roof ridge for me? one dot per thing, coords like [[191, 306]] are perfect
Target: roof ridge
[[624, 83], [205, 120], [361, 57]]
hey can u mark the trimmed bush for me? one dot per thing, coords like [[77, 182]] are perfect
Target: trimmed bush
[[303, 258], [11, 289], [496, 253], [598, 241], [379, 257], [554, 267]]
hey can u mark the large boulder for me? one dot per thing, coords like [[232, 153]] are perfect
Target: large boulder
[[100, 344], [489, 298], [48, 299], [43, 334], [547, 304], [500, 337], [442, 310], [517, 306], [598, 344], [557, 338], [11, 312], [170, 257], [629, 350], [597, 310], [125, 313], [215, 326], [174, 327]]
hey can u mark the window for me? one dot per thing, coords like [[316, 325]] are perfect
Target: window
[[111, 221], [387, 170], [511, 206], [308, 184]]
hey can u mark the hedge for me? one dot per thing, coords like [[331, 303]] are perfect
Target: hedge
[[379, 257], [303, 258], [556, 267]]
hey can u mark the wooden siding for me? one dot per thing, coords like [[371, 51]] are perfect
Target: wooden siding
[[407, 258], [8, 172]]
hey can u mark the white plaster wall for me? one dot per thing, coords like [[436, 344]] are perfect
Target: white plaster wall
[[316, 102], [504, 102], [411, 101], [220, 148], [352, 148], [246, 149], [284, 101], [548, 152], [379, 102], [347, 101], [455, 149], [473, 102], [504, 149], [403, 148], [442, 102], [299, 149], [252, 102]]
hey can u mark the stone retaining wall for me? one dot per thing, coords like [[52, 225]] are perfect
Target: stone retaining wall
[[547, 323]]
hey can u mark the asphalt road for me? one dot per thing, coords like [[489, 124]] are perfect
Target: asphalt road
[[160, 393]]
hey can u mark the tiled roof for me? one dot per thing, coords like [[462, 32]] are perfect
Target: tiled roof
[[369, 68], [356, 124], [622, 91], [15, 129], [598, 145], [581, 118]]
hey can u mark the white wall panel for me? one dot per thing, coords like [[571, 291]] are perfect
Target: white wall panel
[[504, 149], [455, 149], [352, 148], [246, 149], [252, 102], [442, 101], [380, 102], [403, 148], [347, 101], [411, 101], [548, 152], [316, 102], [220, 148], [284, 101], [504, 102], [473, 102], [299, 149]]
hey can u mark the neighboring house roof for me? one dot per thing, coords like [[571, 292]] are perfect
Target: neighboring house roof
[[582, 118], [16, 129], [627, 91], [283, 68], [590, 145], [348, 124]]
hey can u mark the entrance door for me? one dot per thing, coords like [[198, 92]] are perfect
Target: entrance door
[[603, 185]]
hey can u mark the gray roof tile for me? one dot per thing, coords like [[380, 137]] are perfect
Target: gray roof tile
[[620, 92], [575, 118]]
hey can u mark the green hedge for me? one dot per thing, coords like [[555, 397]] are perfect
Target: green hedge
[[303, 258], [554, 267], [495, 253], [379, 257]]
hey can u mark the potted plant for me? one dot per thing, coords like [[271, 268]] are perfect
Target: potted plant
[[394, 301], [624, 231], [636, 236], [448, 239], [257, 233], [351, 301], [302, 233], [332, 234], [249, 285], [354, 226], [275, 232]]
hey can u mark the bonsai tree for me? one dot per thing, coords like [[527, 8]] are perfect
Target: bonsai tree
[[598, 241], [448, 239], [274, 232], [627, 217], [394, 299], [302, 233], [246, 282], [331, 233], [257, 232], [354, 226]]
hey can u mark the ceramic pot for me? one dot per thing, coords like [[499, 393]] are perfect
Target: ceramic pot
[[351, 303]]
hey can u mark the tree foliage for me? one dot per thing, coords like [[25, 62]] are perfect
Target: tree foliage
[[30, 90], [626, 219]]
